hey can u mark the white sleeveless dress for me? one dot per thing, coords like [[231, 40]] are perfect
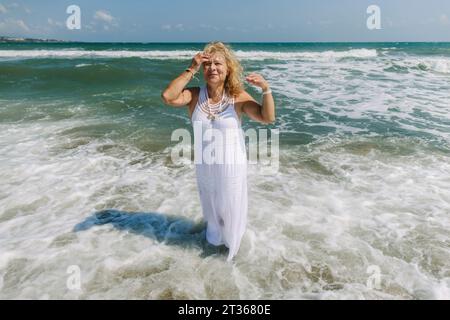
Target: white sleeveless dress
[[221, 170]]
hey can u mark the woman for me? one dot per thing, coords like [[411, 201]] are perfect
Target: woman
[[216, 109]]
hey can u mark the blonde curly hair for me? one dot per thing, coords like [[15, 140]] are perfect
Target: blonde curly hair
[[233, 82]]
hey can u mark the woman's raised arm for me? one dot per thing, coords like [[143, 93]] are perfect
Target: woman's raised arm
[[264, 113], [175, 94]]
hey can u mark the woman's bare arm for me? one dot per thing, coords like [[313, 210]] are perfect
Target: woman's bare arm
[[264, 113], [175, 94]]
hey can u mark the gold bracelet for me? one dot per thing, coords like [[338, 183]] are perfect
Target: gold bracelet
[[189, 70]]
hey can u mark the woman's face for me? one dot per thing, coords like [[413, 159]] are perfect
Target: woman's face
[[215, 70]]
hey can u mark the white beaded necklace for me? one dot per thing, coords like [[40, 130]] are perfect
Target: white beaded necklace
[[215, 115]]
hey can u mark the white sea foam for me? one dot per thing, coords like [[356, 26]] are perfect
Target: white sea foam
[[417, 101], [441, 65], [335, 209], [30, 54], [81, 65], [184, 54], [353, 53]]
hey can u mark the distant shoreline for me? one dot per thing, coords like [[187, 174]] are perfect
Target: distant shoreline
[[4, 39], [28, 40]]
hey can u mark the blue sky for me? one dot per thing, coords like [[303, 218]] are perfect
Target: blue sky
[[227, 20]]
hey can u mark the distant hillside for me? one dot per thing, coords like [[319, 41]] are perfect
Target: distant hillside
[[11, 39]]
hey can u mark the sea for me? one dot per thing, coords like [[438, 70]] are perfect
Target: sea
[[92, 205]]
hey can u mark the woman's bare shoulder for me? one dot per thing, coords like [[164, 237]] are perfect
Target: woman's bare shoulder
[[239, 101], [242, 96]]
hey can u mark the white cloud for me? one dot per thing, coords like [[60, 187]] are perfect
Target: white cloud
[[207, 26], [169, 27], [106, 20], [179, 27], [22, 25], [104, 16], [443, 19], [13, 26], [13, 7], [54, 23]]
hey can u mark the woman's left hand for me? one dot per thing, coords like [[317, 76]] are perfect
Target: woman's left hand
[[257, 80]]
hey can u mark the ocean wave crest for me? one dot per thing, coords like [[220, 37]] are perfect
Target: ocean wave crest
[[183, 54]]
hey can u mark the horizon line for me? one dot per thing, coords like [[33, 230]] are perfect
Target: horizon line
[[53, 41]]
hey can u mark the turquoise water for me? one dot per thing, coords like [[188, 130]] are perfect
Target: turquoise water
[[363, 178], [125, 80]]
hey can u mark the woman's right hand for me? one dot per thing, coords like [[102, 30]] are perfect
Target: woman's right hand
[[198, 59]]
